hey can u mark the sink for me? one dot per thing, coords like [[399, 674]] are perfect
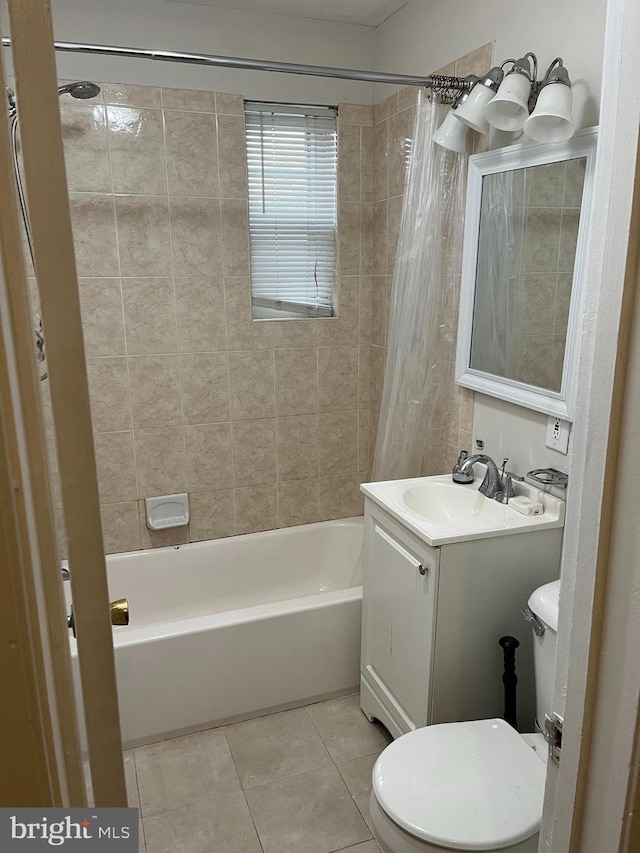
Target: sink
[[440, 511], [453, 505]]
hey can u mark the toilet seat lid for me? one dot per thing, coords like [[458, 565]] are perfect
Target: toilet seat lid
[[469, 786]]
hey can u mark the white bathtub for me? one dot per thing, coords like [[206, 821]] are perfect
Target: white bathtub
[[234, 628]]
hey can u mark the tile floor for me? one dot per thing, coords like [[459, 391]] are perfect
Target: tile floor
[[292, 782]]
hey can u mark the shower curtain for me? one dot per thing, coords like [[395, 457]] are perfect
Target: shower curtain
[[496, 318], [417, 383]]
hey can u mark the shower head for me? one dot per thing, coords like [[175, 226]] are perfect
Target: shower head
[[82, 90]]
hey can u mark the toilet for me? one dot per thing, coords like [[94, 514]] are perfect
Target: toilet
[[474, 785]]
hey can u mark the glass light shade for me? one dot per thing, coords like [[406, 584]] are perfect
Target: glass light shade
[[471, 112], [510, 108], [551, 120], [502, 138], [452, 134]]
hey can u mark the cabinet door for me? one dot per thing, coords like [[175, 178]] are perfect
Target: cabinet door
[[399, 616]]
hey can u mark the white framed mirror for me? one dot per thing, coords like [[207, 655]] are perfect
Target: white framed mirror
[[526, 223]]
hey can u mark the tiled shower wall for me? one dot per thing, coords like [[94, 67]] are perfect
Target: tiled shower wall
[[264, 424], [393, 126]]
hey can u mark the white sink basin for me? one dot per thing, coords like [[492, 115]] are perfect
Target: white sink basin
[[440, 511], [453, 506]]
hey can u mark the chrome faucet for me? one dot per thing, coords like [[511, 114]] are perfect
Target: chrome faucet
[[491, 486], [497, 483]]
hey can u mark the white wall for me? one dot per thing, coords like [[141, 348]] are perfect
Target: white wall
[[424, 36], [192, 28]]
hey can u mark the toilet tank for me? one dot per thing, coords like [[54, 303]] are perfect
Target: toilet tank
[[544, 602]]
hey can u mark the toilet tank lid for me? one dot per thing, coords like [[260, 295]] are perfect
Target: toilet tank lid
[[545, 603]]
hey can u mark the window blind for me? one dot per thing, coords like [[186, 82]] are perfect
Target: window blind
[[292, 166]]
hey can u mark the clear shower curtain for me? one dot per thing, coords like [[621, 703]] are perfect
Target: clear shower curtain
[[429, 253]]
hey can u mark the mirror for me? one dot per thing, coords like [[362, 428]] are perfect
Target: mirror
[[524, 241]]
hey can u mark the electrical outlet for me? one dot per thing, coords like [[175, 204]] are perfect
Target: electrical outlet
[[558, 434]]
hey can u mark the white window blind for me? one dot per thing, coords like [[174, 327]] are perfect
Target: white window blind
[[292, 164]]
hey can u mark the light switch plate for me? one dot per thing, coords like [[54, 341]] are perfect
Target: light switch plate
[[558, 434]]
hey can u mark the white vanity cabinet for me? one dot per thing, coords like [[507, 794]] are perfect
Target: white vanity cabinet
[[432, 618]]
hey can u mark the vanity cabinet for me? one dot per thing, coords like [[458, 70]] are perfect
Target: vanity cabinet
[[432, 618]]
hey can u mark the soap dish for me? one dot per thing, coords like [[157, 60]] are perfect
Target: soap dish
[[167, 511]]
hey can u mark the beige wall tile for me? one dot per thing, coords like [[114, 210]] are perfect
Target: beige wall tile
[[381, 161], [295, 333], [160, 538], [229, 104], [393, 231], [356, 113], [256, 508], [205, 387], [195, 236], [232, 155], [84, 136], [298, 502], [102, 317], [377, 355], [343, 328], [296, 376], [243, 333], [150, 315], [348, 162], [407, 97], [349, 238], [574, 182], [235, 236], [209, 462], [189, 99], [338, 443], [120, 527], [541, 239], [476, 61], [109, 394], [192, 153], [254, 452], [212, 515], [124, 94], [340, 496], [380, 224], [545, 185], [136, 149], [363, 440], [364, 376], [365, 314], [466, 410], [366, 164], [563, 302], [366, 239], [160, 461], [251, 377], [155, 390], [537, 304], [386, 108], [297, 444], [94, 234], [200, 312], [568, 240], [116, 467], [337, 378], [379, 310], [143, 235], [400, 132]]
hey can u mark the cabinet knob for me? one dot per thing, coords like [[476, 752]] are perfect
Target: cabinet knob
[[422, 569]]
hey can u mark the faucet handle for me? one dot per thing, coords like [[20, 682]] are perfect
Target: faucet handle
[[459, 476]]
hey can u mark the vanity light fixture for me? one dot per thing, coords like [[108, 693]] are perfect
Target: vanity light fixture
[[472, 112], [551, 119], [510, 108], [511, 103], [452, 134]]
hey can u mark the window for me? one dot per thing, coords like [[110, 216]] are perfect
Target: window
[[292, 163]]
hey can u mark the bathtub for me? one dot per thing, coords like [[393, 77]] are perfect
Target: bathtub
[[230, 629]]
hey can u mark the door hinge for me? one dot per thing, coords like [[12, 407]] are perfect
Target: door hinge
[[553, 735]]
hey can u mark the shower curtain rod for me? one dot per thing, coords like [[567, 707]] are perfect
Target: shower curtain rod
[[435, 81]]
